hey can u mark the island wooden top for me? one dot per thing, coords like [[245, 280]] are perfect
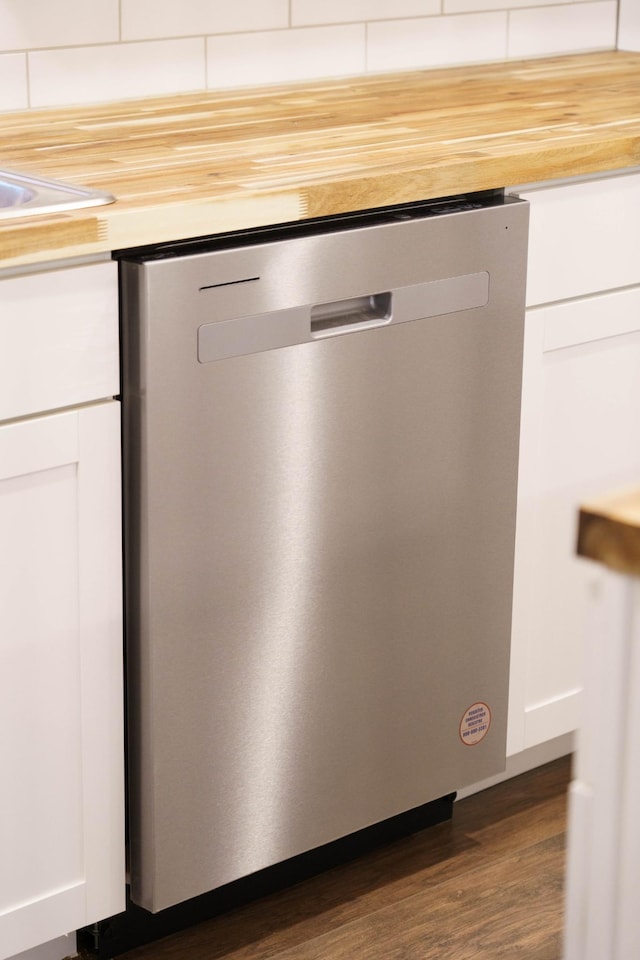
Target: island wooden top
[[203, 163], [609, 531]]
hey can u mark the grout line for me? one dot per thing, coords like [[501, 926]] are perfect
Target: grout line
[[27, 78], [206, 64]]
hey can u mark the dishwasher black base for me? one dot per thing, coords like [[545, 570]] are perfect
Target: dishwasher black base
[[136, 927]]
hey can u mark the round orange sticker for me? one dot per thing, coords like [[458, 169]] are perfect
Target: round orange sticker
[[475, 724]]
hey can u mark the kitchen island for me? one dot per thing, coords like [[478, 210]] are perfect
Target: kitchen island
[[604, 837]]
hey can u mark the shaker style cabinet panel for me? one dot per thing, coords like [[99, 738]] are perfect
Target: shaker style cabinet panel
[[61, 702], [60, 675], [579, 433]]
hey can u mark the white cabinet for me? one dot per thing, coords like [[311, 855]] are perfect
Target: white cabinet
[[58, 339], [581, 396], [602, 921], [61, 702]]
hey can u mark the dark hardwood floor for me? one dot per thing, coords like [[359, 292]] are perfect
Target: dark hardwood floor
[[486, 885]]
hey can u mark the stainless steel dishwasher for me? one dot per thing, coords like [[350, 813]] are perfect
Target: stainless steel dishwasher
[[321, 448]]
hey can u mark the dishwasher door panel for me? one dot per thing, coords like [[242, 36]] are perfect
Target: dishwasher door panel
[[320, 557]]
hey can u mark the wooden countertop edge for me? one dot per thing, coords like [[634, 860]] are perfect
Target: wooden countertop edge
[[213, 162], [609, 531], [102, 229]]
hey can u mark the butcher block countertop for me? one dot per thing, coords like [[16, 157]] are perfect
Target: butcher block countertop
[[609, 531], [209, 162]]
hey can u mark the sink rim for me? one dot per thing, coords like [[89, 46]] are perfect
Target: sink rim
[[47, 195], [14, 192]]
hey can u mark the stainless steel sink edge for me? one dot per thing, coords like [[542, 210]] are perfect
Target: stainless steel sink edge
[[23, 195]]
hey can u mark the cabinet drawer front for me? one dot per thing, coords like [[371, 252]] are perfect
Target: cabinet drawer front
[[584, 238], [58, 339], [608, 315]]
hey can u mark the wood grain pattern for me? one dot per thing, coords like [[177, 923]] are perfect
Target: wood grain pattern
[[208, 162], [487, 885], [609, 531]]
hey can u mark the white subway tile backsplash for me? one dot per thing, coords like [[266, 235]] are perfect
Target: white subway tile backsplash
[[563, 29], [79, 51], [13, 81], [116, 71], [436, 41], [305, 12], [281, 56], [31, 24], [148, 19], [474, 6]]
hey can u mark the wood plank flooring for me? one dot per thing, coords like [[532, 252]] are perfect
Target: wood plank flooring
[[487, 885]]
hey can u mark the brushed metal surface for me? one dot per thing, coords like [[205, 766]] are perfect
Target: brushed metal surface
[[22, 195], [320, 544], [240, 336]]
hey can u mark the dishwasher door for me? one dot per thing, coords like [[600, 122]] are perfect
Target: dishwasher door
[[321, 448]]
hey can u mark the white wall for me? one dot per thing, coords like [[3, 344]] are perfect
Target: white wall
[[55, 52], [629, 25]]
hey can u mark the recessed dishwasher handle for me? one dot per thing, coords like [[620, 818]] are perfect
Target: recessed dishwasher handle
[[347, 316], [242, 335]]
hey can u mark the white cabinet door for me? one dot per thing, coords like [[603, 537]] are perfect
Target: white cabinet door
[[61, 724], [580, 435]]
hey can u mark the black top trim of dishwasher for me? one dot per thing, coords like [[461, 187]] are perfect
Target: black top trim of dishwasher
[[460, 203]]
